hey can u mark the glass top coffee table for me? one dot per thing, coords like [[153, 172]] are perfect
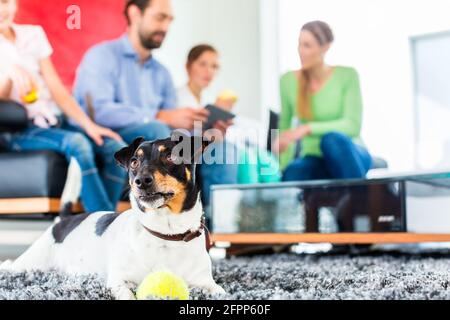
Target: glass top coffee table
[[398, 209]]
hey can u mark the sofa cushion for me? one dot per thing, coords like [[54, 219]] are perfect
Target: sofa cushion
[[13, 116], [32, 174], [3, 142]]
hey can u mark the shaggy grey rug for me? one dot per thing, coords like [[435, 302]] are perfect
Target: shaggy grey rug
[[281, 276]]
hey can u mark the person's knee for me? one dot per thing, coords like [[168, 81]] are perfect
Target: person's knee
[[290, 174], [110, 147], [80, 148], [333, 141], [298, 170], [158, 130], [154, 130]]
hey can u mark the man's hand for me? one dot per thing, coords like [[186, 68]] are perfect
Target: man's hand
[[96, 133], [183, 118]]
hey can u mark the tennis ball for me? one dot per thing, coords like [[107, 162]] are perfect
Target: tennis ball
[[163, 285], [228, 95], [31, 97]]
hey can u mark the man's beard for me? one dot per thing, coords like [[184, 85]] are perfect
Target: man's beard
[[148, 42]]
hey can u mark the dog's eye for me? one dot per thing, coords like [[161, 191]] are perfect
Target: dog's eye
[[172, 158], [134, 163]]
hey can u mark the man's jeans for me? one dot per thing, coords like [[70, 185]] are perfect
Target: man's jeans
[[153, 130], [100, 190]]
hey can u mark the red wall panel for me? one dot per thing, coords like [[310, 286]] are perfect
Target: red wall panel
[[100, 20]]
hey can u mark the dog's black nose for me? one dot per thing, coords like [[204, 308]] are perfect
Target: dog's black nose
[[143, 182]]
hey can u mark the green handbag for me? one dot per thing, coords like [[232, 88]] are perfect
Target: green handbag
[[257, 166]]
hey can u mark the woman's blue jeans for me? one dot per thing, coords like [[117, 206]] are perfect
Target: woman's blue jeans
[[100, 190], [342, 159]]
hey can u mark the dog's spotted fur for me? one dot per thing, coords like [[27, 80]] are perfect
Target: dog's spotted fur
[[120, 248]]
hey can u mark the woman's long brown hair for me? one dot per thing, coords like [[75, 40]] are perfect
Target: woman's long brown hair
[[324, 35]]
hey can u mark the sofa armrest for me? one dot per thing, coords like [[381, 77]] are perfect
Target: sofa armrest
[[13, 116]]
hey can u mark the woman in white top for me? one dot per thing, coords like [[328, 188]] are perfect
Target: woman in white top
[[25, 66], [202, 66]]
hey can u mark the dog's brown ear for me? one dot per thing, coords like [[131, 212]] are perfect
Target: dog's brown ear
[[124, 155]]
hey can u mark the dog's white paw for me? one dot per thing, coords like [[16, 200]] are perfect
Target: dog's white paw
[[123, 293], [216, 289], [6, 265]]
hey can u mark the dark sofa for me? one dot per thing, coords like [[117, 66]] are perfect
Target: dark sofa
[[31, 182]]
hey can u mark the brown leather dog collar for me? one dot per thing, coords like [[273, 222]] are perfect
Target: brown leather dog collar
[[186, 236]]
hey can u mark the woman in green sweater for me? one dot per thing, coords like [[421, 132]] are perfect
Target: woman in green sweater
[[326, 101]]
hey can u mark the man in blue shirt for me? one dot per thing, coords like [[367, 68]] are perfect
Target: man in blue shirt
[[133, 94]]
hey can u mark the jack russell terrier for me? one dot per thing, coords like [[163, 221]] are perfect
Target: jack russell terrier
[[162, 230]]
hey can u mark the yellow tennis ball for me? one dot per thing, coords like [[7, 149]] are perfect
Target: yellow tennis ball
[[31, 97], [163, 285], [228, 95]]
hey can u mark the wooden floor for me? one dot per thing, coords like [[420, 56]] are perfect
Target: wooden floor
[[42, 205]]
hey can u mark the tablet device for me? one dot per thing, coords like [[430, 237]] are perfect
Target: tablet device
[[216, 114]]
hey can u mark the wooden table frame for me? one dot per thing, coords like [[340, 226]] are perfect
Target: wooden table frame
[[347, 236], [27, 206], [335, 238]]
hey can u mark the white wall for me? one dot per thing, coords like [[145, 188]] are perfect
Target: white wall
[[372, 36], [257, 40], [431, 57], [232, 26]]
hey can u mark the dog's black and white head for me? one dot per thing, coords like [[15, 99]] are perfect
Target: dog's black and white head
[[162, 173]]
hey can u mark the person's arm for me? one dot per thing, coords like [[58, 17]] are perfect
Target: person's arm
[[169, 93], [97, 77], [68, 104], [5, 81], [182, 118], [5, 87], [286, 115], [350, 122], [15, 76], [287, 134]]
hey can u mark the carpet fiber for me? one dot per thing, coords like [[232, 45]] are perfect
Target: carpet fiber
[[281, 276]]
